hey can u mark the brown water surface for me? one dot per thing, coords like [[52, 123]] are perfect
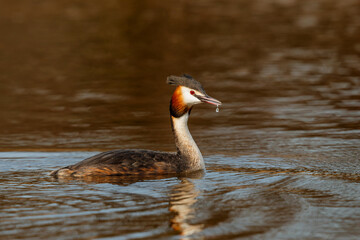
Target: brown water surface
[[282, 155]]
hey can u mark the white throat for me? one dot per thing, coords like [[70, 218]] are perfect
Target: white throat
[[185, 143]]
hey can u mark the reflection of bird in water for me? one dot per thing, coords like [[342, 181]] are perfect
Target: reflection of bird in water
[[182, 198], [145, 162]]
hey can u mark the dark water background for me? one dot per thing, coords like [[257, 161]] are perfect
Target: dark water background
[[282, 155]]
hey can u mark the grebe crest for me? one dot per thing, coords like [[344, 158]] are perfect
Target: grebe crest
[[188, 93], [134, 162]]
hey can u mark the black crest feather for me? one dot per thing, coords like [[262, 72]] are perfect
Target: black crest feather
[[186, 81]]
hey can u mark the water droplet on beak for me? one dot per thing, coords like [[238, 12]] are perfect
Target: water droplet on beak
[[217, 108]]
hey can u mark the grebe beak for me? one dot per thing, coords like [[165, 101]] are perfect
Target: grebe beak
[[208, 99]]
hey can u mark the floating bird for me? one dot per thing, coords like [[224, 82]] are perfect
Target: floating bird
[[136, 162]]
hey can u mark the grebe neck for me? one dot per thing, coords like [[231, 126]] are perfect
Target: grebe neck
[[185, 144]]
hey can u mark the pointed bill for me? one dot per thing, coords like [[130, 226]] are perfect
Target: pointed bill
[[208, 99]]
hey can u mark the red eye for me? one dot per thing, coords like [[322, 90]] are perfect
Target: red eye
[[192, 92]]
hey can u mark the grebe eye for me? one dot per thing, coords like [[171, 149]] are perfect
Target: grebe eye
[[192, 92]]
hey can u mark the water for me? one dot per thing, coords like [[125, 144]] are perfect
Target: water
[[282, 156]]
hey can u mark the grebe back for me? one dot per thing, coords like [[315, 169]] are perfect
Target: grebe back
[[188, 157]]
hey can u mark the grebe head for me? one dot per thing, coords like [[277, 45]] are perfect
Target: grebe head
[[189, 92]]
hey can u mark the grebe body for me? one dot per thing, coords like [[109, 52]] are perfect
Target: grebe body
[[188, 157]]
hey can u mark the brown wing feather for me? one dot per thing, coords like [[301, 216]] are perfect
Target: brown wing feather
[[123, 162]]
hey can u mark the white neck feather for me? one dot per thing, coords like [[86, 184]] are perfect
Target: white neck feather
[[185, 143]]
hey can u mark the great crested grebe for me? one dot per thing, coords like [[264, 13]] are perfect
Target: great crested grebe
[[188, 157]]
